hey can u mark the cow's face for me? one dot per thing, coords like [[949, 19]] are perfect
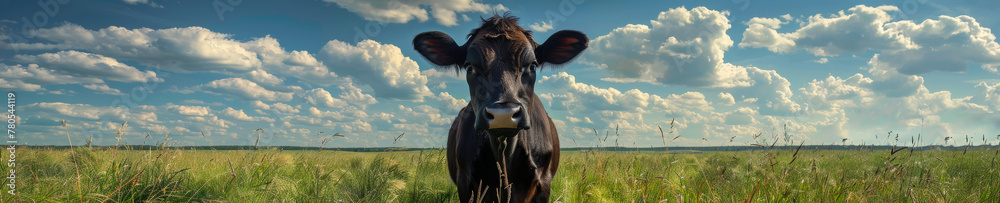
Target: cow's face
[[500, 59]]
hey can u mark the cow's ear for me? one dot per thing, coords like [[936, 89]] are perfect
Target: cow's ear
[[439, 48], [561, 47]]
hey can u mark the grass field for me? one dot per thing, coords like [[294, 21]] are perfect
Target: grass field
[[761, 175]]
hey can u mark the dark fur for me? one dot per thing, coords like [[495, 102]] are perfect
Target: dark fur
[[502, 58]]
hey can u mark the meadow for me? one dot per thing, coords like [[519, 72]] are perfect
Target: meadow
[[757, 174]]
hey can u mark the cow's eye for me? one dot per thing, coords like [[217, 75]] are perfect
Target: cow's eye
[[530, 68], [470, 68]]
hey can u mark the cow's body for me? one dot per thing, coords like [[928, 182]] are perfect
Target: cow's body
[[534, 160], [502, 147]]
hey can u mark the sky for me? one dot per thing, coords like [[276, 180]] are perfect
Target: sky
[[296, 73]]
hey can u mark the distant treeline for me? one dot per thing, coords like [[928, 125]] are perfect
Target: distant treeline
[[671, 149]]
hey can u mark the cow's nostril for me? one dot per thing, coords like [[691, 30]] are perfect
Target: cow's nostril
[[518, 113], [489, 115]]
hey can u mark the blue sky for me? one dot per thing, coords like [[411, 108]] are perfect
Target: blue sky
[[214, 72]]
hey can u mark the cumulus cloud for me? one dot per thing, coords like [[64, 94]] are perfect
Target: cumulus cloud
[[773, 91], [354, 96], [299, 64], [349, 95], [741, 116], [991, 68], [844, 105], [544, 26], [190, 49], [240, 115], [380, 66], [762, 32], [836, 91], [580, 95], [609, 106], [445, 101], [243, 88], [890, 81], [990, 94], [947, 44], [681, 46], [147, 2], [83, 111], [321, 97], [31, 77], [727, 99], [445, 12], [88, 65], [103, 89], [277, 107], [189, 110], [944, 44], [70, 67]]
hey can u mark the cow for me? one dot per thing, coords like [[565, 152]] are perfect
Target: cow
[[502, 146]]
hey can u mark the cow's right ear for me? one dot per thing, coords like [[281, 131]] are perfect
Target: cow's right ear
[[439, 48]]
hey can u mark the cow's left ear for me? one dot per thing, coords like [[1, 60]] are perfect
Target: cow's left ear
[[561, 47]]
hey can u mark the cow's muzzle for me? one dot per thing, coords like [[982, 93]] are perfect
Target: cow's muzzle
[[505, 119]]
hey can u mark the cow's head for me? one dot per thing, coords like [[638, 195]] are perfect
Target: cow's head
[[500, 59]]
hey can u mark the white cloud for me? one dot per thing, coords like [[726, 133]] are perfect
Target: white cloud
[[580, 95], [947, 44], [610, 107], [70, 67], [836, 92], [991, 68], [190, 49], [262, 77], [445, 101], [82, 64], [189, 110], [285, 108], [445, 12], [147, 2], [682, 47], [445, 75], [321, 97], [544, 26], [727, 99], [761, 32], [243, 88], [423, 114], [773, 91], [83, 111], [890, 82], [260, 105], [277, 107], [354, 96], [787, 17], [240, 115], [831, 36], [741, 116], [103, 89], [944, 44], [845, 106], [32, 77], [991, 94], [298, 64], [380, 66], [349, 95]]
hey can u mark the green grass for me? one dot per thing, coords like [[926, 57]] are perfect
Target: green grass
[[172, 175]]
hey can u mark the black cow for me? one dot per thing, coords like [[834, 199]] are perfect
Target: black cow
[[504, 124]]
